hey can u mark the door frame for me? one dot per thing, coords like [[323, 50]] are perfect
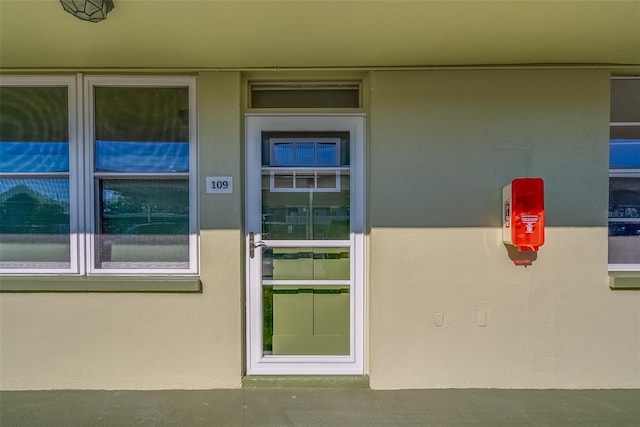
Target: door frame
[[256, 362]]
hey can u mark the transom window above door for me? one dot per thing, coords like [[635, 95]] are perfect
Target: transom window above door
[[305, 95]]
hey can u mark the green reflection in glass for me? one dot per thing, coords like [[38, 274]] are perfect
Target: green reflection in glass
[[306, 320], [34, 114], [267, 319], [306, 264], [154, 114], [34, 221], [143, 220]]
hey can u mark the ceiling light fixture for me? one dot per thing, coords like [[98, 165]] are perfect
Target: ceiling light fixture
[[88, 10]]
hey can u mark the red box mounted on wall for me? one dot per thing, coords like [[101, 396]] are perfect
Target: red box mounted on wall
[[523, 214]]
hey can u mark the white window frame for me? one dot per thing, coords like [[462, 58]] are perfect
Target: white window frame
[[624, 173], [92, 82], [308, 172], [315, 171], [76, 223], [258, 363], [82, 177]]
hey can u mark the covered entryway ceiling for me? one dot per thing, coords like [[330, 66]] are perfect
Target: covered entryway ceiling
[[211, 34]]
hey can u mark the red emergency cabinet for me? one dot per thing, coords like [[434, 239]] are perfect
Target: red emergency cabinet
[[523, 214]]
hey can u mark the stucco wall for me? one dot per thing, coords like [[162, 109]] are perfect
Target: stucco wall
[[442, 145], [147, 341]]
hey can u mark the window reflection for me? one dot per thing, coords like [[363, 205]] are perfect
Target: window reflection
[[300, 149], [305, 320], [34, 156], [35, 220], [624, 172], [301, 152], [113, 156], [306, 215], [624, 220], [306, 264], [143, 221], [141, 129], [34, 114]]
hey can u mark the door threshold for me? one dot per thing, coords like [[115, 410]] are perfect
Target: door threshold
[[349, 382]]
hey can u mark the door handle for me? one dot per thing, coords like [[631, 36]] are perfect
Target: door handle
[[253, 245]]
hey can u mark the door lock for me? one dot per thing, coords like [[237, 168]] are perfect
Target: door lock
[[253, 245]]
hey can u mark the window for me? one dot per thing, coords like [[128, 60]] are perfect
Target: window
[[624, 175], [330, 95], [37, 154], [311, 163], [116, 197]]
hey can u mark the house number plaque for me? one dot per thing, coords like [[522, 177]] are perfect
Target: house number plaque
[[220, 184]]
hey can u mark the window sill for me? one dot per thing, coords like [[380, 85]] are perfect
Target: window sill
[[100, 284], [624, 280]]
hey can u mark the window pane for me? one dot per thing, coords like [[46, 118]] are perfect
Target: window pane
[[305, 214], [306, 264], [34, 130], [144, 223], [34, 156], [34, 223], [624, 220], [625, 132], [142, 129], [625, 100], [283, 153], [273, 97], [305, 180], [306, 320], [327, 180], [142, 156], [624, 154], [276, 152], [305, 154], [327, 154], [283, 180]]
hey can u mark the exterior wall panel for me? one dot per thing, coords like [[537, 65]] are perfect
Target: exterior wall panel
[[140, 340], [446, 306], [442, 145]]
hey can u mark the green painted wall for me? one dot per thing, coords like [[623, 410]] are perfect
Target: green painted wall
[[447, 306], [142, 340]]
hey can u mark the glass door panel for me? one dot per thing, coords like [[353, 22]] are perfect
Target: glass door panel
[[305, 197], [309, 212], [296, 263], [302, 304], [306, 320]]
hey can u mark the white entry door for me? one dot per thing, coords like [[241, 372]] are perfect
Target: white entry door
[[305, 244]]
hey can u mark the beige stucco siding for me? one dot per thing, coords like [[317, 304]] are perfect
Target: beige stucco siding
[[147, 341], [442, 144]]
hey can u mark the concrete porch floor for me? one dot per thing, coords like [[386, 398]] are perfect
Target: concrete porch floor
[[321, 407]]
